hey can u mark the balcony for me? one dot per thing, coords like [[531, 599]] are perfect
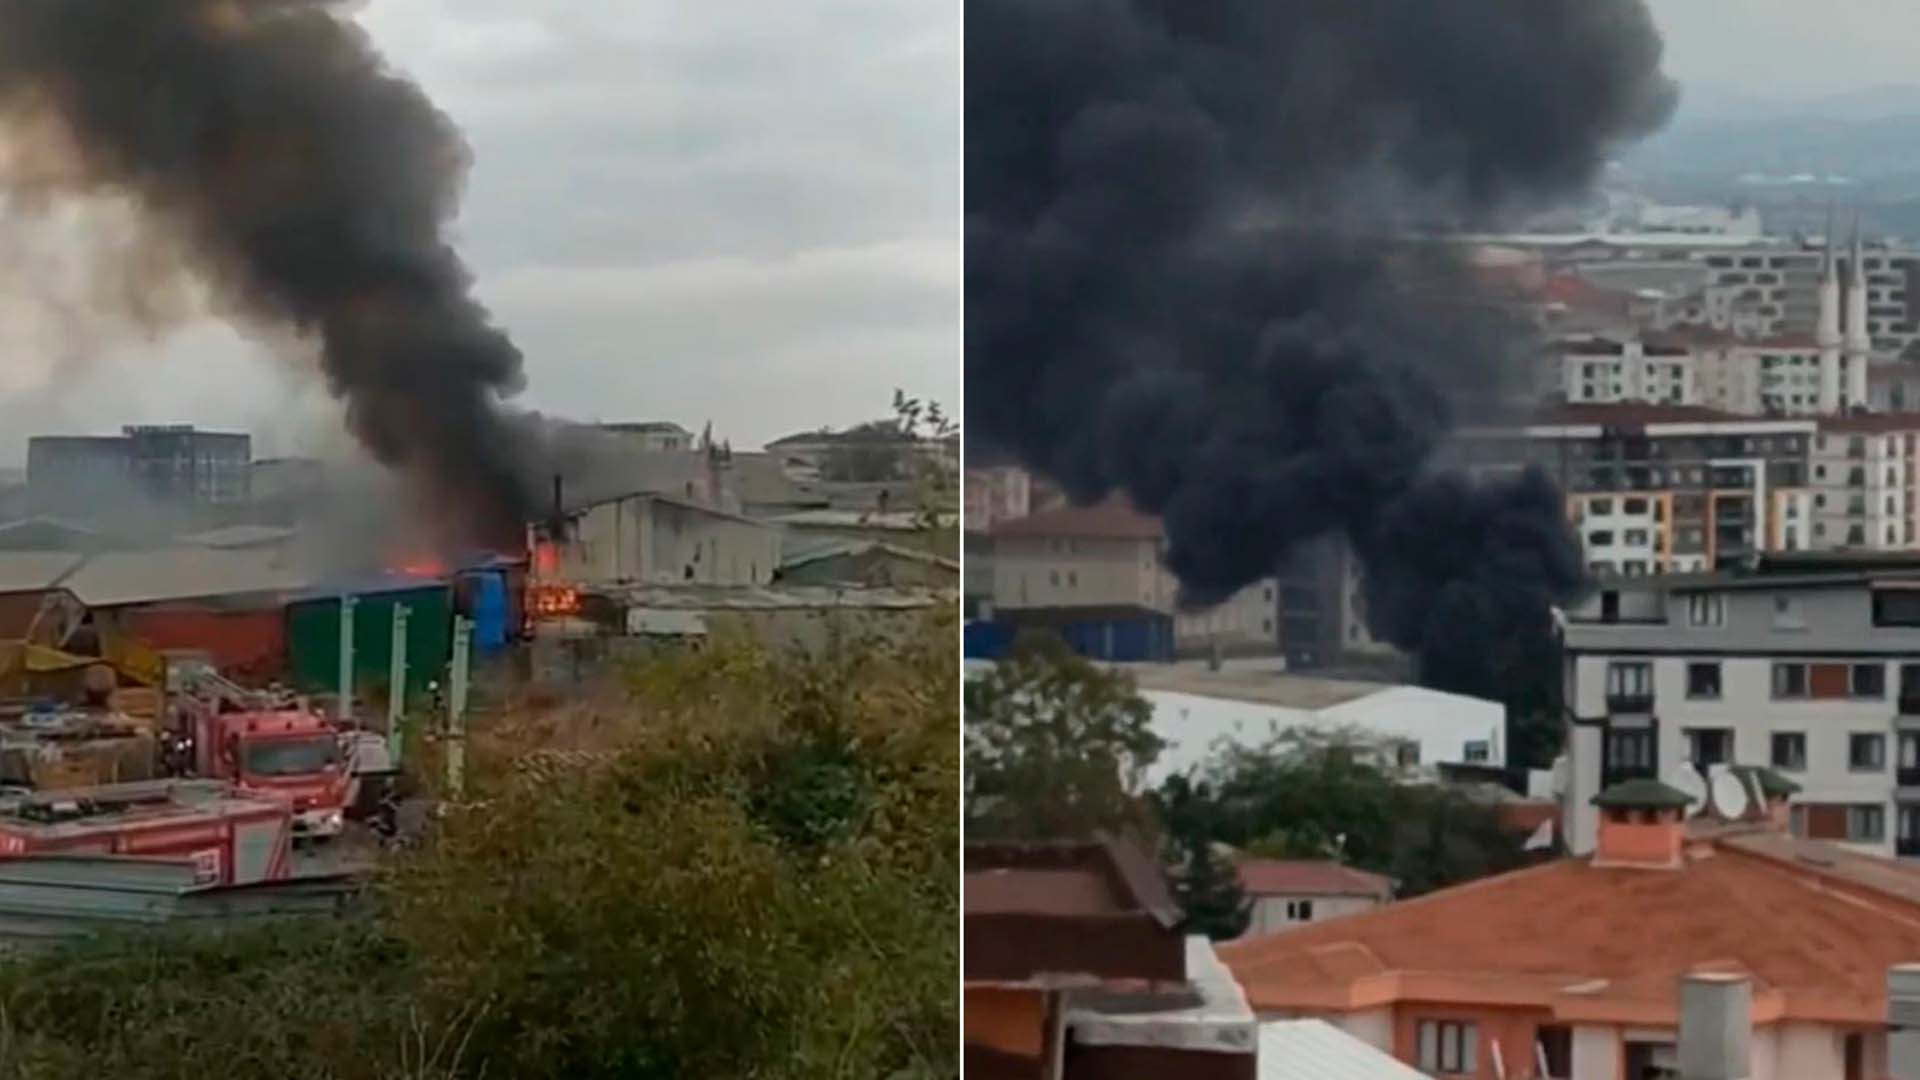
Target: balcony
[[1630, 704]]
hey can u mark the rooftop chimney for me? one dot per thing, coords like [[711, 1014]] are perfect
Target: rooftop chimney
[[1716, 1027], [1903, 1022], [1642, 823]]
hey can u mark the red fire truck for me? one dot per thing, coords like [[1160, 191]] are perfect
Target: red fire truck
[[231, 838], [266, 743]]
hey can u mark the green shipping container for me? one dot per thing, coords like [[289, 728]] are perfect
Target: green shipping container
[[313, 641]]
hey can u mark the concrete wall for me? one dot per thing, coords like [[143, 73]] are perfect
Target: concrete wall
[[642, 538], [1244, 624]]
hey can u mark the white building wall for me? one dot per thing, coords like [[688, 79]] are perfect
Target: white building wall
[[1443, 725], [1371, 1026], [1596, 1052], [1812, 1051], [1037, 572], [1269, 913], [1245, 621]]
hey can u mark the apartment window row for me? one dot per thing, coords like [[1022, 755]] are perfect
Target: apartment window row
[[1866, 750], [1793, 680], [1299, 911]]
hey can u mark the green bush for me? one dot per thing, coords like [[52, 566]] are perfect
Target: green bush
[[760, 880]]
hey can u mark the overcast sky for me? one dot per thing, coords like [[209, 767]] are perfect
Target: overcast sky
[[726, 210], [1791, 49]]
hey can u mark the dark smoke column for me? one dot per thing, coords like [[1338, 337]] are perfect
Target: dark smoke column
[[1183, 279], [311, 186]]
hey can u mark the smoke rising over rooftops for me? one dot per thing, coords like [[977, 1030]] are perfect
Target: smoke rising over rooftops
[[1181, 281], [267, 145]]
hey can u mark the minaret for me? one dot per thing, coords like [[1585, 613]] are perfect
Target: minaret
[[1858, 349], [1827, 330]]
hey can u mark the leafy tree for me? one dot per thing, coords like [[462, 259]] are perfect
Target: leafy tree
[[1312, 794], [1056, 747], [1204, 879]]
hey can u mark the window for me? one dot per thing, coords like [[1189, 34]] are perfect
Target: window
[[1635, 538], [1447, 1047], [1073, 579], [1867, 823], [1703, 679], [1867, 752], [1478, 750], [1600, 538], [1407, 754], [1600, 506], [1630, 680], [1896, 607], [1868, 681], [1633, 506], [1789, 680], [1786, 614], [1053, 578], [1706, 609], [1630, 750], [1790, 750], [1709, 746], [1299, 911]]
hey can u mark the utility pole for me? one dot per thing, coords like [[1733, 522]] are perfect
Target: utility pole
[[397, 683], [343, 709], [457, 705]]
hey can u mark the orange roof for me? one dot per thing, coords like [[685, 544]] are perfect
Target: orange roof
[[1815, 926], [1113, 518], [1309, 877]]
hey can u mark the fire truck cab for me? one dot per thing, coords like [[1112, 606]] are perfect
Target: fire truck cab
[[267, 744]]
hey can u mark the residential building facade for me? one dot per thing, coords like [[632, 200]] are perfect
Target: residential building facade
[[1809, 665], [1285, 894], [1863, 482], [1662, 489], [1568, 969], [174, 466]]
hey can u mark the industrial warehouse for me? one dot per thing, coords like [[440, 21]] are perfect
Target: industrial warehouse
[[233, 718]]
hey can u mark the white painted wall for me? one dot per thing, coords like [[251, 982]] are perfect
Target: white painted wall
[[1808, 1052], [1596, 1052], [1269, 913], [1442, 724], [1371, 1026], [1052, 571]]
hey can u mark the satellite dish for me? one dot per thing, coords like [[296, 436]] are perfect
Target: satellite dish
[[1687, 780], [1729, 794]]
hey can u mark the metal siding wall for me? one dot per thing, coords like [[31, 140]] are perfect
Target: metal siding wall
[[247, 645], [313, 640]]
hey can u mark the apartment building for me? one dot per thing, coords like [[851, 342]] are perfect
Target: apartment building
[[1655, 489], [1863, 481], [1103, 564], [1808, 664]]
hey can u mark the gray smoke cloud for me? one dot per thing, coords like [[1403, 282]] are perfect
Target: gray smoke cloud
[[268, 146], [1183, 280]]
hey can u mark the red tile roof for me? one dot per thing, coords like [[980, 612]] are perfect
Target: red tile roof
[[1816, 926], [1310, 877], [1114, 518]]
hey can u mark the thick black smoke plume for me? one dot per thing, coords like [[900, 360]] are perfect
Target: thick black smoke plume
[[311, 186], [1182, 283]]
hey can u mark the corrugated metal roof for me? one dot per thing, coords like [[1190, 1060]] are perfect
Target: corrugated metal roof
[[33, 571], [1316, 1050], [757, 598], [240, 536], [138, 577]]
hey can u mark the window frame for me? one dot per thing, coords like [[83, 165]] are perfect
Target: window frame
[[1702, 666], [1778, 761], [1878, 814], [1858, 739], [1447, 1047]]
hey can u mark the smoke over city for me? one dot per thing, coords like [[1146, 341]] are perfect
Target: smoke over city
[[267, 146], [1183, 282]]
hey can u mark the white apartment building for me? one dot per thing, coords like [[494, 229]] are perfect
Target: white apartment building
[[1863, 482], [1807, 664], [1597, 370]]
